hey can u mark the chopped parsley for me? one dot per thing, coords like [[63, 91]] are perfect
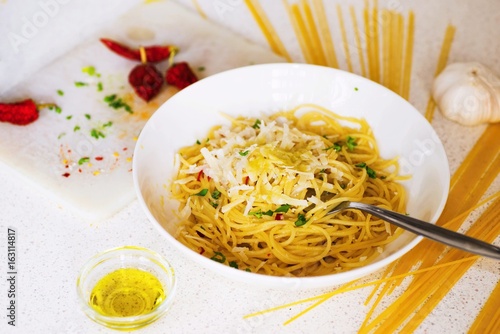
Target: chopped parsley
[[301, 220], [107, 125], [60, 92], [283, 208], [116, 103], [76, 128], [257, 123], [99, 86], [244, 153], [80, 84], [202, 192], [87, 116], [62, 134], [218, 257], [356, 89], [83, 160], [351, 144], [97, 134], [69, 117], [260, 213], [216, 194], [337, 147], [371, 173], [233, 264], [198, 142], [90, 70], [201, 68]]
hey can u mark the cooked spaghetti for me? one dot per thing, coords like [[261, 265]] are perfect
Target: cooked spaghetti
[[255, 194]]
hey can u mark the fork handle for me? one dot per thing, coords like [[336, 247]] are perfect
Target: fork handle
[[431, 231]]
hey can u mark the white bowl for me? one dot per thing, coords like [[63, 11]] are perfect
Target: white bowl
[[399, 128]]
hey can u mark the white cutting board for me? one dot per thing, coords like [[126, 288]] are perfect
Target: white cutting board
[[50, 148]]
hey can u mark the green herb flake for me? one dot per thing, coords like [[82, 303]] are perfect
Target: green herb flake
[[58, 109], [83, 160], [80, 84], [76, 128], [110, 98], [69, 117], [351, 143], [244, 153], [257, 214], [107, 125], [99, 87], [371, 173], [61, 135], [97, 134], [214, 204], [233, 264], [248, 270], [201, 68], [257, 123], [216, 194], [301, 220], [202, 192], [356, 89], [90, 70], [87, 116], [337, 147], [198, 142], [283, 208], [218, 257], [116, 103], [268, 213], [60, 92]]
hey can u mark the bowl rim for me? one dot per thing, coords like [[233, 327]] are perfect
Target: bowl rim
[[281, 281]]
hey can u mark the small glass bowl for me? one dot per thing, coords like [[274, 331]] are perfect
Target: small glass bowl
[[125, 257]]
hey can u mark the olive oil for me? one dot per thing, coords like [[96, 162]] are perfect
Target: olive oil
[[127, 292]]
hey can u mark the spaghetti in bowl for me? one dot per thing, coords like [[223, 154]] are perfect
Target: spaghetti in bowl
[[248, 198]]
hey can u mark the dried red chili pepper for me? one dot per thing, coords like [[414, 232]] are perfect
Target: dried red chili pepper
[[180, 75], [154, 53], [19, 113], [146, 81]]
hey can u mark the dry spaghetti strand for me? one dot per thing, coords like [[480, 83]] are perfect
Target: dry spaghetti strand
[[326, 37], [427, 290], [443, 58], [488, 320], [267, 29]]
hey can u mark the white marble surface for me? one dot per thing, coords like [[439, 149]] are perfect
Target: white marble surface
[[53, 243]]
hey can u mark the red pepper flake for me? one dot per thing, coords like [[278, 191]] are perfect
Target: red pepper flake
[[66, 174], [279, 216], [247, 179], [98, 158], [154, 53], [200, 175], [146, 81], [180, 75], [202, 250], [79, 170], [125, 148]]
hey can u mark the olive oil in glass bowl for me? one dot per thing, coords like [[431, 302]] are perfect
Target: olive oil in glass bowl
[[126, 288]]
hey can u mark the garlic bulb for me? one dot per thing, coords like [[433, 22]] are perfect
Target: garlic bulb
[[468, 93]]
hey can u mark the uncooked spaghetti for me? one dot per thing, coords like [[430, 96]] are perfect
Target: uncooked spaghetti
[[254, 194]]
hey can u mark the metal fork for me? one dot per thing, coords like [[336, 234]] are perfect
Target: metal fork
[[425, 229]]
